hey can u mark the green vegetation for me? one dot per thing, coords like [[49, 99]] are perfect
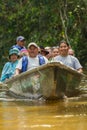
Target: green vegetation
[[45, 22]]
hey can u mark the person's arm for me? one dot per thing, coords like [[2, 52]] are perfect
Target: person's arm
[[18, 67], [77, 65], [17, 71], [5, 72], [80, 70]]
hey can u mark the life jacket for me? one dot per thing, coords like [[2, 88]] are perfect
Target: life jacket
[[25, 62]]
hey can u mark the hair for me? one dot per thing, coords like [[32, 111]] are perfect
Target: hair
[[63, 41], [15, 54]]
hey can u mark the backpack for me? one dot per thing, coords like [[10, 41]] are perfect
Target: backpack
[[25, 62]]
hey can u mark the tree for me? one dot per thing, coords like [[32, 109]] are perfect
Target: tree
[[44, 22]]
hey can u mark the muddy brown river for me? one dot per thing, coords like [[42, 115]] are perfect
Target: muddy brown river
[[65, 114]]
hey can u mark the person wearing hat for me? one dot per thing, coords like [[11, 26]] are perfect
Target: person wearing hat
[[32, 60], [24, 52], [9, 67], [42, 51], [20, 43]]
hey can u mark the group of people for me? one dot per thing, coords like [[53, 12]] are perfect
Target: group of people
[[22, 59]]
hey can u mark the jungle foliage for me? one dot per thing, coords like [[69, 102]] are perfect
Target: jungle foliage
[[45, 22]]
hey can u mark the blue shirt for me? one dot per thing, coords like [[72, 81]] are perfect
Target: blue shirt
[[8, 70], [18, 47]]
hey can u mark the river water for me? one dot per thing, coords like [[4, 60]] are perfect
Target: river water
[[65, 114]]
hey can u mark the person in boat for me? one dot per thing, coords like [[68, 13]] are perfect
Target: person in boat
[[9, 67], [20, 43], [42, 51], [71, 52], [49, 55], [31, 61], [55, 51], [67, 59], [23, 52]]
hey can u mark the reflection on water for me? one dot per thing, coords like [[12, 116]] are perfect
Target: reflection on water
[[68, 114]]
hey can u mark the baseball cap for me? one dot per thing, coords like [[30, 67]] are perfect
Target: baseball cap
[[32, 44], [20, 38], [23, 50]]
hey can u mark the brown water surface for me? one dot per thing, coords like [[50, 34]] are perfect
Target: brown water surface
[[66, 114], [69, 114]]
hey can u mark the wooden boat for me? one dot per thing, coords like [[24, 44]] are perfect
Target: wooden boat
[[51, 81]]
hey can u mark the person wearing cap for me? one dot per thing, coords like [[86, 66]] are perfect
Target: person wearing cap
[[67, 59], [9, 67], [33, 60], [20, 43], [24, 52], [49, 55], [42, 51]]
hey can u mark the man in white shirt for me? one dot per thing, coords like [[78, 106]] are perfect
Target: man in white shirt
[[32, 61]]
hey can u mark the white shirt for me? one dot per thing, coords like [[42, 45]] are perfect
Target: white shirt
[[32, 63]]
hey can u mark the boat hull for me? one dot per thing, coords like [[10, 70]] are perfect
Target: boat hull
[[53, 80]]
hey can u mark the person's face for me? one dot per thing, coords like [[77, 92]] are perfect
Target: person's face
[[55, 52], [63, 49], [33, 51], [13, 57], [48, 56], [21, 43], [43, 53], [71, 52]]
